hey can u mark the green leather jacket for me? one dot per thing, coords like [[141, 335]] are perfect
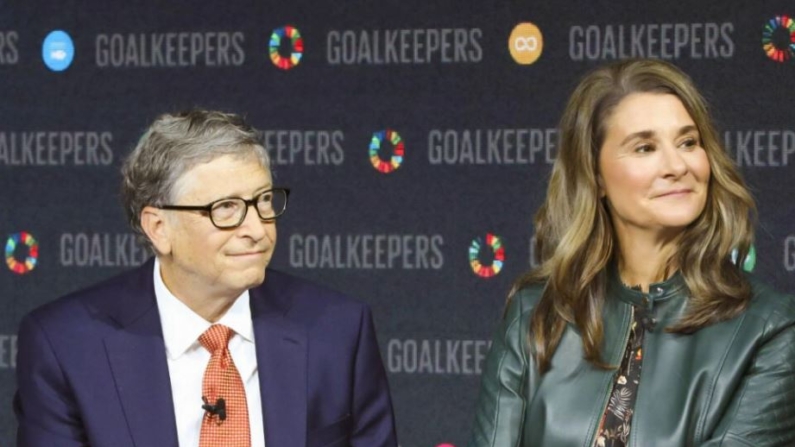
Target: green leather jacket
[[729, 384]]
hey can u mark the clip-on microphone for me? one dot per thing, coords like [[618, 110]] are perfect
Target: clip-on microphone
[[219, 409]]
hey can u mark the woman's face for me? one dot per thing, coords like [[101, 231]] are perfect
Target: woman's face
[[652, 168]]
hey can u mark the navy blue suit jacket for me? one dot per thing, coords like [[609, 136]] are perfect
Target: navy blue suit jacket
[[92, 371]]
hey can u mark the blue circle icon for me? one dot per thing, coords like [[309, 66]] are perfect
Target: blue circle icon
[[57, 51]]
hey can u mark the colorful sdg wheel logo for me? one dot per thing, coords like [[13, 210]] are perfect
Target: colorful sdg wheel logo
[[296, 47], [778, 38], [494, 243], [19, 240], [398, 149]]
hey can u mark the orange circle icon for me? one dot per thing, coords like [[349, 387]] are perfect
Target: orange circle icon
[[526, 43]]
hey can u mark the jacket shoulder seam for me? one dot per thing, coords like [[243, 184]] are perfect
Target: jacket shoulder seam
[[496, 419]]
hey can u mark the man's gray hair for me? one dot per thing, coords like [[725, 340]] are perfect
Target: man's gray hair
[[174, 144]]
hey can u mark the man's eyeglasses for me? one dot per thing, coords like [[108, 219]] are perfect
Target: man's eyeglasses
[[231, 212]]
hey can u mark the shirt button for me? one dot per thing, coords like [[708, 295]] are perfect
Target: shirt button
[[658, 290]]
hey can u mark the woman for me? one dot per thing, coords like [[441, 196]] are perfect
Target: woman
[[638, 329]]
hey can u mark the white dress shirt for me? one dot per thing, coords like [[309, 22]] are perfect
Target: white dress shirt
[[187, 360]]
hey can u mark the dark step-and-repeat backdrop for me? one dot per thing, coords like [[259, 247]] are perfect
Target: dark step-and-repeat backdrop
[[417, 138]]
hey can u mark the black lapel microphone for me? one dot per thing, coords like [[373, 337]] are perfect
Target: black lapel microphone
[[219, 409], [647, 319]]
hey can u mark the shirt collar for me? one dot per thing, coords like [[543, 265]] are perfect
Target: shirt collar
[[182, 326]]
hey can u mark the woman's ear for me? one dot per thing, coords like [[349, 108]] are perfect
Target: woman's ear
[[601, 186]]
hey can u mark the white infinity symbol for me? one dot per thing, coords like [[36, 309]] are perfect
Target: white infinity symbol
[[525, 43]]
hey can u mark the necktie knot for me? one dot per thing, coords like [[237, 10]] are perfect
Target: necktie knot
[[215, 338]]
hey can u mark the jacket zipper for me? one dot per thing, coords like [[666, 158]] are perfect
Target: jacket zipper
[[613, 380]]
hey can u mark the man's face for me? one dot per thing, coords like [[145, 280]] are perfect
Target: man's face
[[208, 260]]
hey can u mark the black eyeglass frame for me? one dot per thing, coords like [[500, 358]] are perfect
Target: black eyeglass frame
[[253, 201]]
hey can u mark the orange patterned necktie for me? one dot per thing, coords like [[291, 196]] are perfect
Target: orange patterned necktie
[[225, 421]]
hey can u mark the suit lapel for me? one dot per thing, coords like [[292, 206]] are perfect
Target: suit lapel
[[137, 356], [281, 361]]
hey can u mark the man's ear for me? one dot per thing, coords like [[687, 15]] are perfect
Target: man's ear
[[157, 229]]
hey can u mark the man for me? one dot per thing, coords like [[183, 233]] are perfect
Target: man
[[202, 346]]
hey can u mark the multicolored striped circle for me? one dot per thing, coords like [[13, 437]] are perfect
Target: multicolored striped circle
[[397, 151], [772, 50], [14, 241], [297, 43], [495, 243]]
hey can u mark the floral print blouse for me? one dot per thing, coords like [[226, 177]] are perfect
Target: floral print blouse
[[616, 421]]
